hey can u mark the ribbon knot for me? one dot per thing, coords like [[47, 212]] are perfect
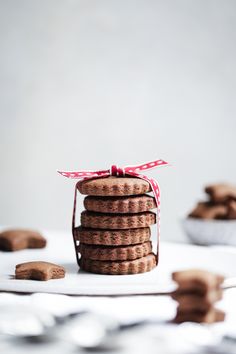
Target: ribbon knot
[[117, 171]]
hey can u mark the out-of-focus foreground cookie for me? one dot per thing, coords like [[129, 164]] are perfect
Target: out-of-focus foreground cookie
[[196, 294]]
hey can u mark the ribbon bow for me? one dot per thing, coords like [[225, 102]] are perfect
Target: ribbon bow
[[132, 171]]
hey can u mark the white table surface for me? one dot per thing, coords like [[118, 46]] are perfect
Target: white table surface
[[60, 250], [125, 309]]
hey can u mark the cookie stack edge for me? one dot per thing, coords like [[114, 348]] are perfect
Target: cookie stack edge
[[114, 235]]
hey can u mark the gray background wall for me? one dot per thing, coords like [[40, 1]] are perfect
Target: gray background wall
[[85, 83]]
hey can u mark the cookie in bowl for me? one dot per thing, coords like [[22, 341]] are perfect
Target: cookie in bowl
[[213, 221]]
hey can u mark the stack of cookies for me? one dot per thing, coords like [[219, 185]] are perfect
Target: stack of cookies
[[114, 236], [221, 203], [197, 293]]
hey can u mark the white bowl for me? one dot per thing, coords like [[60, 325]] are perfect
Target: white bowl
[[210, 232]]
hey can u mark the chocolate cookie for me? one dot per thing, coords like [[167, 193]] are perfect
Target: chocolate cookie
[[207, 210], [141, 265], [220, 193], [39, 271], [232, 210], [199, 281], [117, 221], [14, 240], [194, 302], [211, 316], [112, 237], [117, 253], [114, 186], [131, 204]]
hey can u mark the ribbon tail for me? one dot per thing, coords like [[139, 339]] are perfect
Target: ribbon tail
[[73, 223], [84, 174], [146, 166]]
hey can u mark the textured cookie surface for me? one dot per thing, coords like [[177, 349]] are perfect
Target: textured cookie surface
[[141, 265], [112, 237], [114, 186], [39, 271], [18, 239], [111, 253], [130, 204], [117, 221]]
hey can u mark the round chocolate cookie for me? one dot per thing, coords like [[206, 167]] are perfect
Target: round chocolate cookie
[[112, 237], [117, 253], [140, 265], [114, 186], [117, 221], [130, 204]]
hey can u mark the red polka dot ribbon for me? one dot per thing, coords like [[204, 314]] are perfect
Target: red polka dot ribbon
[[132, 171]]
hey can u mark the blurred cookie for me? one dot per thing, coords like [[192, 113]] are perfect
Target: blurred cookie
[[194, 280], [232, 209], [114, 186], [207, 210], [112, 237], [141, 265], [220, 193], [130, 204], [211, 316], [192, 301], [39, 271], [117, 221], [18, 239], [117, 253]]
